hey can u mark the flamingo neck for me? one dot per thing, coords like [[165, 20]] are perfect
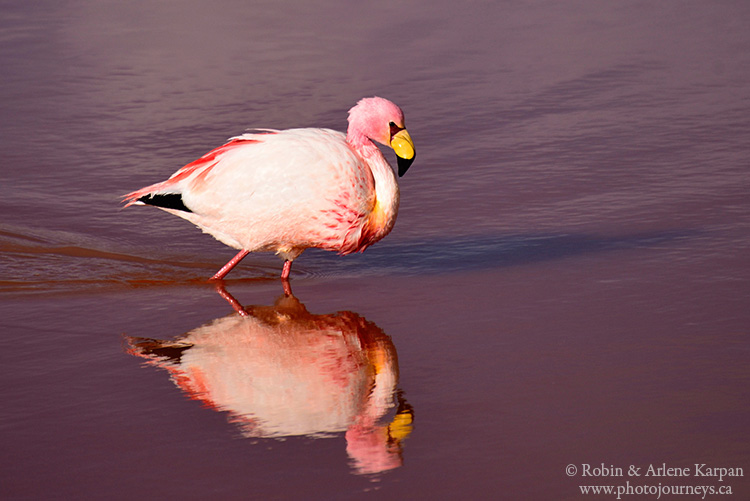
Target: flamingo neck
[[383, 215]]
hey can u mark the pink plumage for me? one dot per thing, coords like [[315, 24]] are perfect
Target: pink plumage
[[286, 191]]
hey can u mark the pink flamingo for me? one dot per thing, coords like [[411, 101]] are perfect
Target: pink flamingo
[[286, 191]]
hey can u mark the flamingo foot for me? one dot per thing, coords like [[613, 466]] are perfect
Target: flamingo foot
[[231, 264]]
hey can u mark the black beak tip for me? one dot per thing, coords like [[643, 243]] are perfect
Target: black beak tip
[[404, 164]]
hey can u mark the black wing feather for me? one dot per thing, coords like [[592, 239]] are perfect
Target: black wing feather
[[166, 200]]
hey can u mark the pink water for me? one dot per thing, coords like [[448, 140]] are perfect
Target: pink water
[[567, 283]]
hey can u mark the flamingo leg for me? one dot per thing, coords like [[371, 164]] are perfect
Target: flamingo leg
[[286, 270], [231, 264]]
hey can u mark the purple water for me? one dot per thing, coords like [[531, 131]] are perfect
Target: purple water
[[567, 283]]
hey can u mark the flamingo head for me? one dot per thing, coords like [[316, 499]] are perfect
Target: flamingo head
[[380, 120]]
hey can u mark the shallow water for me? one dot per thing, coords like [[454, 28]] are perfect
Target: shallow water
[[567, 283]]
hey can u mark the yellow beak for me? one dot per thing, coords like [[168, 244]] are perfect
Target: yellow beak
[[404, 147]]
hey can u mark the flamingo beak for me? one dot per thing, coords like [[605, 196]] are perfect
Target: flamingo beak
[[404, 147]]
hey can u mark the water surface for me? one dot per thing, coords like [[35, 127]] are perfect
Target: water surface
[[567, 283]]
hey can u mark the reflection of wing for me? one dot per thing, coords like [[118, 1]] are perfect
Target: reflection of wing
[[281, 371]]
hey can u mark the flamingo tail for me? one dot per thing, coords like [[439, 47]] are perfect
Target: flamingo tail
[[165, 201]]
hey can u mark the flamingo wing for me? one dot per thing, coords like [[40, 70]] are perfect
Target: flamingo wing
[[168, 194]]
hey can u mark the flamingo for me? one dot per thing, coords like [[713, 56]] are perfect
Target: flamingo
[[288, 190]]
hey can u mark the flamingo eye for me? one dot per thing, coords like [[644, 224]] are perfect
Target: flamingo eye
[[394, 128]]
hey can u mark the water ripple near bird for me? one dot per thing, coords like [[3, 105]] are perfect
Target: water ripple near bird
[[37, 266]]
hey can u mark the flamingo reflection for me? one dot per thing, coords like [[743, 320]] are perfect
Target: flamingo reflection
[[281, 371]]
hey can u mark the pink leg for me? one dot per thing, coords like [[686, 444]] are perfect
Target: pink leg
[[231, 264], [286, 270]]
